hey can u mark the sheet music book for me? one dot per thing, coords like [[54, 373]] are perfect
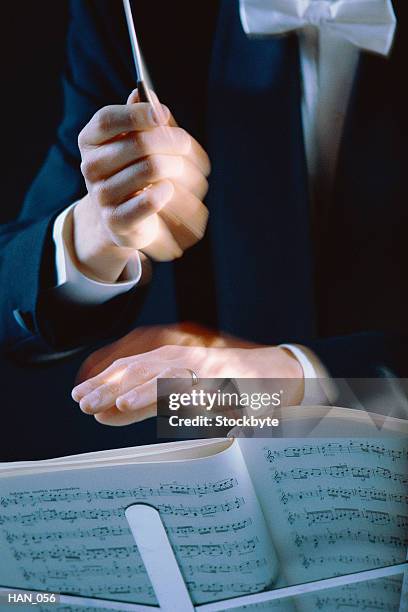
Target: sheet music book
[[242, 515]]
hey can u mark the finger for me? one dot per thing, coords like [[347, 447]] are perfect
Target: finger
[[112, 157], [104, 396], [124, 184], [196, 153], [182, 217], [111, 121], [111, 374], [165, 140], [115, 418], [138, 397], [145, 395], [185, 216], [153, 239], [126, 218], [156, 106], [133, 97], [101, 398], [191, 178]]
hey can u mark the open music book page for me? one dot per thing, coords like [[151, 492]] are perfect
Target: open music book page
[[243, 516], [336, 506], [64, 529]]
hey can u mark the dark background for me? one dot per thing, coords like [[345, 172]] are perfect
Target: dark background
[[33, 36]]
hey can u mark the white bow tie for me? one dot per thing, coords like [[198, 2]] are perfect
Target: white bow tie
[[368, 24]]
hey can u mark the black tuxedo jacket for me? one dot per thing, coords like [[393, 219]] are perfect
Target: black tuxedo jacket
[[262, 272]]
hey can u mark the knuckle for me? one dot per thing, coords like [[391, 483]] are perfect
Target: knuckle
[[166, 349], [98, 394], [140, 371], [140, 142], [150, 168], [120, 363], [90, 168], [125, 404], [82, 138], [102, 193], [103, 119]]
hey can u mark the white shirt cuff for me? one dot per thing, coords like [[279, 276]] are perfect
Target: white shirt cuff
[[320, 388], [75, 286]]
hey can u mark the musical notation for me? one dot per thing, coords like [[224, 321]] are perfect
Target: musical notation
[[217, 550], [225, 568], [340, 471], [108, 590], [76, 540], [324, 493], [78, 495], [329, 515], [362, 536], [333, 507], [101, 533], [69, 553], [116, 570], [71, 516], [339, 506], [331, 449], [370, 561], [234, 587], [188, 530], [376, 596]]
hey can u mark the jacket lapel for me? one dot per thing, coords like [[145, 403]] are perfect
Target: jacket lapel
[[259, 204]]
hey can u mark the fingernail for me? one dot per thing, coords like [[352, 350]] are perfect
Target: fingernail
[[160, 114], [88, 404], [122, 404], [75, 394]]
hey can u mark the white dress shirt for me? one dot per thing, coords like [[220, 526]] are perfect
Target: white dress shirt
[[328, 65], [74, 285]]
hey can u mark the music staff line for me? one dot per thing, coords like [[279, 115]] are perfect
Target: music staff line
[[73, 495], [84, 553], [340, 471], [338, 514], [362, 536], [71, 516], [102, 533], [119, 570], [330, 449], [323, 493]]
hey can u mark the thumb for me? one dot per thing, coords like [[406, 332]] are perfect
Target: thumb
[[162, 112], [133, 97]]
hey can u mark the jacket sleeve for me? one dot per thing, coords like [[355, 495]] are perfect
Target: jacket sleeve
[[97, 73]]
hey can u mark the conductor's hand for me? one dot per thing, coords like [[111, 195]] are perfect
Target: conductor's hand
[[146, 179]]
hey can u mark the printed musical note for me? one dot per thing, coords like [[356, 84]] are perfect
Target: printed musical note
[[67, 532], [340, 471], [328, 515], [363, 536], [323, 493], [339, 506], [75, 494], [331, 449]]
